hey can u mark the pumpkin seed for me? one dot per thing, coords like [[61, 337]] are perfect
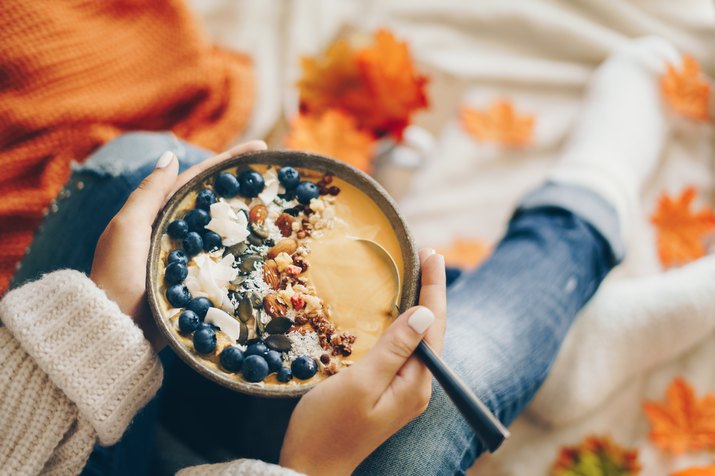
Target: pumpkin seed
[[239, 280], [243, 334], [255, 240], [279, 325], [237, 249], [278, 342], [245, 310], [256, 301], [259, 231], [248, 263], [260, 325]]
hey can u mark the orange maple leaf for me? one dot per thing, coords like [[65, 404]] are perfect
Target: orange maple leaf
[[464, 252], [596, 455], [378, 85], [700, 471], [499, 123], [682, 423], [680, 231], [333, 134], [686, 90]]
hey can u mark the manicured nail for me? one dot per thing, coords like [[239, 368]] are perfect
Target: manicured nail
[[165, 159], [420, 320]]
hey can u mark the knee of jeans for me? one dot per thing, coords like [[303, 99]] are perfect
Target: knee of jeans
[[134, 150]]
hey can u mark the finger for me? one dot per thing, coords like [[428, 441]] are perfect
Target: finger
[[145, 202], [396, 345], [250, 146], [433, 295], [414, 376]]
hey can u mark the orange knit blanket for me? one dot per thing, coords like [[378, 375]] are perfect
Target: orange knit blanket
[[74, 74]]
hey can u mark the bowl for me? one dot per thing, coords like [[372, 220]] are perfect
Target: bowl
[[312, 162]]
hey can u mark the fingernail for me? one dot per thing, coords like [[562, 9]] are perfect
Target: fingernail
[[426, 253], [165, 159], [420, 320]]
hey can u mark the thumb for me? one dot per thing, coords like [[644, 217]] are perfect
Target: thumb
[[396, 345], [146, 201]]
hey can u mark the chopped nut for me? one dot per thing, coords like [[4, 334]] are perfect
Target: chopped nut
[[258, 214], [286, 245], [284, 222], [273, 306], [283, 261], [271, 274], [342, 344]]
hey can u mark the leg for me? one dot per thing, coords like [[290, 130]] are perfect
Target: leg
[[68, 235], [508, 318], [506, 322]]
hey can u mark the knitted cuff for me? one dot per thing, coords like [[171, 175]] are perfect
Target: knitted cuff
[[88, 348], [240, 467]]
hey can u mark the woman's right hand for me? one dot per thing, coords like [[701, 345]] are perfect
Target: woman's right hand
[[341, 421]]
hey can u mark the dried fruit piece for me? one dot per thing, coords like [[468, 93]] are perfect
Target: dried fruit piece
[[273, 306], [286, 245], [258, 214], [284, 222], [297, 302], [271, 275]]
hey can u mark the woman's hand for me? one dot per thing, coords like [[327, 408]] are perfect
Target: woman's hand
[[119, 265], [341, 421]]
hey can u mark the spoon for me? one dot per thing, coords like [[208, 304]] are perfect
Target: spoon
[[487, 427]]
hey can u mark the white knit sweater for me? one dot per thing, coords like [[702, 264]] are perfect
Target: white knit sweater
[[74, 370]]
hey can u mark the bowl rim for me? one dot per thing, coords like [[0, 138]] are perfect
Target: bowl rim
[[342, 170]]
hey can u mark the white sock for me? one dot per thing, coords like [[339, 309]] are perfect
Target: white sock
[[629, 327], [619, 135]]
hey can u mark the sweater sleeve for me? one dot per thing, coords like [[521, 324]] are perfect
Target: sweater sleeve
[[73, 369], [239, 467]]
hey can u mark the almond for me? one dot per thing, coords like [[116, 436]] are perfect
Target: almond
[[284, 222], [273, 306], [258, 214], [286, 245], [271, 275]]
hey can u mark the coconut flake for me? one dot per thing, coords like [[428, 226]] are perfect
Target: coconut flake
[[231, 226], [270, 191], [223, 321], [211, 278]]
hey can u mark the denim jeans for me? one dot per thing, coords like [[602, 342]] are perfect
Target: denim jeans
[[506, 322]]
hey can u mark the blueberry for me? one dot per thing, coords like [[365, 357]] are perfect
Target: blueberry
[[275, 360], [251, 183], [177, 229], [205, 340], [231, 359], [257, 348], [175, 273], [177, 256], [193, 243], [226, 185], [197, 219], [178, 295], [204, 199], [304, 367], [200, 306], [306, 191], [284, 375], [212, 240], [188, 321], [289, 177], [254, 368]]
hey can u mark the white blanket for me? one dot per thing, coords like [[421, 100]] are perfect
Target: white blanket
[[539, 54]]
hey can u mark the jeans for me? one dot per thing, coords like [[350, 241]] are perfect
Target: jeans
[[506, 322]]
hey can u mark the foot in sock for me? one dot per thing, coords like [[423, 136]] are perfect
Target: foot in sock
[[618, 137], [627, 329]]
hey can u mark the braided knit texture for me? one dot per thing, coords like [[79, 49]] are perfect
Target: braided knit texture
[[86, 347], [75, 74]]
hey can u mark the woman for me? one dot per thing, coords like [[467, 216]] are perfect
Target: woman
[[76, 367]]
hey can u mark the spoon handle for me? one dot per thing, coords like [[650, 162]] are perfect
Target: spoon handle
[[487, 427]]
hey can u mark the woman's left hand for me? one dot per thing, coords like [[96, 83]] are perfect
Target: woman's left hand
[[119, 265]]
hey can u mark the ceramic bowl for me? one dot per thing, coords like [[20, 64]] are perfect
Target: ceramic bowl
[[351, 175]]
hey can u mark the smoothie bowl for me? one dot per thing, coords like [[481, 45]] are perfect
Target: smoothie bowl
[[274, 270]]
